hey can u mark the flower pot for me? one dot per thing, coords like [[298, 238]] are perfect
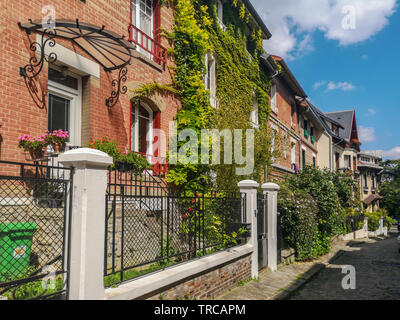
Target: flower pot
[[36, 154], [59, 147]]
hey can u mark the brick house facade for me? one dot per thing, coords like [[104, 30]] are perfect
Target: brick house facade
[[88, 116], [284, 119]]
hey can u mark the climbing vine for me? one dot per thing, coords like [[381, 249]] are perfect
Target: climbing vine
[[241, 84]]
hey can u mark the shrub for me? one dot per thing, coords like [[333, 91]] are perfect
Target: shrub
[[315, 206], [299, 221]]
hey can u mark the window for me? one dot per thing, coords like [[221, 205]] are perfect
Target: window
[[337, 160], [209, 79], [142, 16], [142, 128], [347, 162], [274, 104], [373, 182], [314, 159], [64, 103], [254, 113], [293, 152], [220, 15], [365, 181], [304, 158], [143, 31], [58, 113], [285, 138]]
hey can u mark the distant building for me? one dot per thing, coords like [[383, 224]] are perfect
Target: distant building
[[370, 168]]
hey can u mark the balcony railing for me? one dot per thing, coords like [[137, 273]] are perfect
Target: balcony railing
[[157, 52]]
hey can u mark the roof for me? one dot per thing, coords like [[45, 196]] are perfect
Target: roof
[[257, 18], [290, 79], [345, 118], [322, 119], [372, 198]]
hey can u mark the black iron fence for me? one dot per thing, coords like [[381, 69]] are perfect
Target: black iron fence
[[147, 229], [34, 215]]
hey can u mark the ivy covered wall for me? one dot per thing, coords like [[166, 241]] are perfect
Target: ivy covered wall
[[240, 82]]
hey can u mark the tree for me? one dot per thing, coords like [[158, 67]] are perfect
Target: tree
[[390, 188]]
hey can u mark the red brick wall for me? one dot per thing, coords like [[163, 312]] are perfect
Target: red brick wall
[[18, 112], [285, 100], [207, 285]]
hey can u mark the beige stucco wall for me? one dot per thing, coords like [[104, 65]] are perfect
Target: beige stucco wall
[[324, 151]]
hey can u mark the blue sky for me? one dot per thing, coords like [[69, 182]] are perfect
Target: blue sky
[[340, 68]]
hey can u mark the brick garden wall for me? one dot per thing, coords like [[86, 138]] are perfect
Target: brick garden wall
[[208, 284]]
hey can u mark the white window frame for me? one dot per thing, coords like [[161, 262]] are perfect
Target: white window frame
[[274, 100], [136, 22], [254, 121], [220, 15], [75, 106], [210, 77], [135, 129], [293, 151]]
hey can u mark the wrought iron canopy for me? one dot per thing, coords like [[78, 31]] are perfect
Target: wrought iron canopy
[[109, 49]]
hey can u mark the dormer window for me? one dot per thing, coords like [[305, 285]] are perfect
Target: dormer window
[[209, 78]]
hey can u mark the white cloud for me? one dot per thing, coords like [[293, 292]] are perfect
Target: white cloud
[[366, 134], [364, 57], [371, 112], [292, 23], [317, 85], [393, 154], [344, 86]]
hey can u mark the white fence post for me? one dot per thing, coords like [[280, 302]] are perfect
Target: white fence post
[[271, 190], [88, 222], [249, 187]]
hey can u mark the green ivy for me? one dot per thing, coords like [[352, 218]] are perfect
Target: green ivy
[[239, 77]]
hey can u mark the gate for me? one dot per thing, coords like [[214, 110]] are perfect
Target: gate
[[262, 230], [35, 213]]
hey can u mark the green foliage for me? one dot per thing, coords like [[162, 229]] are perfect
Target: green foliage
[[240, 82], [33, 289], [390, 190], [313, 205], [134, 162], [374, 218], [299, 221], [147, 89]]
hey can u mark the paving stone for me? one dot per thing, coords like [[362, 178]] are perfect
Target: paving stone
[[377, 264]]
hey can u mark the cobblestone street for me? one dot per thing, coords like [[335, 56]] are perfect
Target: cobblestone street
[[377, 264]]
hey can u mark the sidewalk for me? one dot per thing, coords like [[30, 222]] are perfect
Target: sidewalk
[[287, 279]]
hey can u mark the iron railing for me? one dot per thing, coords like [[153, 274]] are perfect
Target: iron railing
[[155, 50], [35, 205], [148, 229]]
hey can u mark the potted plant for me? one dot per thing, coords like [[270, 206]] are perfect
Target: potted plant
[[57, 139], [35, 146]]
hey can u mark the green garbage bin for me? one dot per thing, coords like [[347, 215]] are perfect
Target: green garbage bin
[[15, 248]]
